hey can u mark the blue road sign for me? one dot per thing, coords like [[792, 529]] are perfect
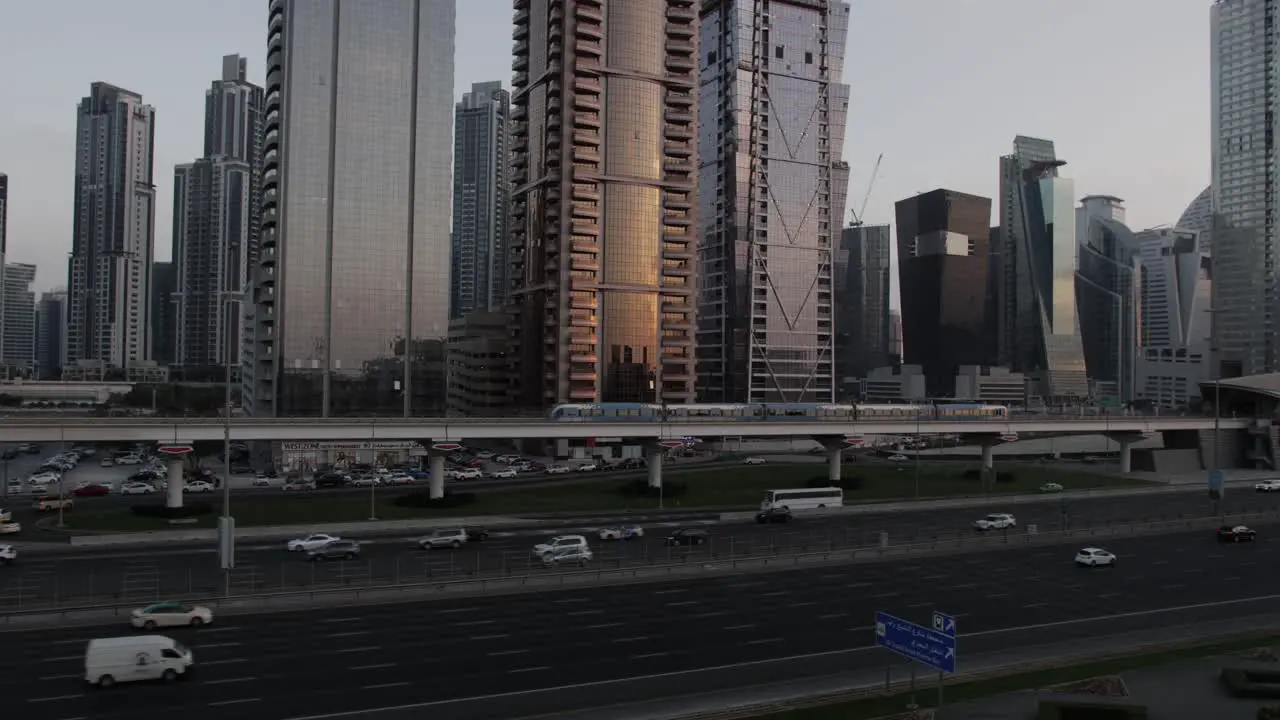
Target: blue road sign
[[917, 642], [1217, 483], [944, 624]]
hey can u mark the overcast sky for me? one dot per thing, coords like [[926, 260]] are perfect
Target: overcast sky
[[940, 87]]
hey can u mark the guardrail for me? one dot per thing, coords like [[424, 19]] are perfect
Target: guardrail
[[80, 609]]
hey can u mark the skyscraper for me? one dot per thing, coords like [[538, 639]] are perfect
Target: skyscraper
[[1108, 294], [351, 289], [861, 278], [943, 262], [771, 187], [4, 216], [1038, 325], [1245, 242], [216, 207], [479, 278], [113, 236], [603, 223], [19, 327], [1176, 319], [51, 329], [164, 311]]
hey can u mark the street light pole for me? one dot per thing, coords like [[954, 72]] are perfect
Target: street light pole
[[228, 301]]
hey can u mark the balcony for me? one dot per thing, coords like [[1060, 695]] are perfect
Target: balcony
[[680, 64], [520, 48], [519, 63], [680, 99], [583, 101], [678, 116], [679, 47], [584, 137], [677, 132], [587, 153], [587, 48], [590, 13], [584, 358], [678, 149], [586, 120]]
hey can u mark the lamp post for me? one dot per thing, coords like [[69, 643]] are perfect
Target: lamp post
[[228, 299]]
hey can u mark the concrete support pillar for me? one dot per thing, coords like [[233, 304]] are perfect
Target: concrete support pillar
[[436, 478], [1126, 457], [988, 456], [173, 494], [833, 465], [653, 456]]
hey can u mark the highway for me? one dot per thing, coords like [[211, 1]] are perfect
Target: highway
[[517, 656], [85, 575]]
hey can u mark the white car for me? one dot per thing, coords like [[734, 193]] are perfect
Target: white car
[[8, 554], [107, 462], [199, 486], [10, 528], [753, 461], [1051, 487], [1095, 557], [587, 467], [137, 488], [455, 539], [484, 454], [5, 515], [1267, 486], [43, 478], [464, 474], [170, 614], [261, 480], [399, 479], [623, 533], [558, 542], [128, 460], [366, 481], [504, 473], [558, 469], [312, 542], [995, 521]]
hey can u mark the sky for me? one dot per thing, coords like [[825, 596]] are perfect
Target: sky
[[939, 87]]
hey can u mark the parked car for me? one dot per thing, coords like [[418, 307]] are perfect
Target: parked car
[[51, 503], [8, 554], [299, 485], [199, 486], [558, 469], [137, 488], [94, 490]]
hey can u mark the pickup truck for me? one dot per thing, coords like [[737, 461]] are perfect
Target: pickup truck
[[50, 504]]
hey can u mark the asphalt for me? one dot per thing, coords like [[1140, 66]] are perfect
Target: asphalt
[[89, 576], [519, 656]]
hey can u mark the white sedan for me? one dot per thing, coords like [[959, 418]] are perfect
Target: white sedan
[[995, 521], [10, 528], [399, 479], [137, 488], [199, 486], [5, 515], [366, 481], [170, 614], [1267, 486], [753, 461], [8, 554], [622, 533], [312, 542], [1095, 557], [898, 458], [504, 473], [557, 469]]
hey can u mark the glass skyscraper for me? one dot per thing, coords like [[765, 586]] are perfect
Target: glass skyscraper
[[351, 291], [481, 148], [772, 188]]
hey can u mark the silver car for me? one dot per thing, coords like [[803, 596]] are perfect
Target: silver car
[[578, 555], [444, 539]]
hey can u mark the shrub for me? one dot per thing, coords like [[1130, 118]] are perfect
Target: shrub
[[424, 500], [189, 510], [639, 488], [1269, 713]]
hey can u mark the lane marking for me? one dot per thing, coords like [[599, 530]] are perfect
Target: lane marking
[[681, 604], [459, 610], [74, 642], [671, 591], [64, 658], [490, 637], [649, 655], [385, 685], [920, 605], [379, 666], [61, 677], [529, 669], [886, 594], [775, 593], [831, 616], [349, 634], [1035, 605], [572, 600], [54, 698], [226, 681], [500, 653], [763, 641], [219, 645], [585, 612], [371, 648], [473, 623], [241, 701], [602, 626], [218, 628], [639, 638], [230, 661], [342, 620], [714, 613], [739, 627]]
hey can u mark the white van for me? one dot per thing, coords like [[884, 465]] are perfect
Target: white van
[[108, 661]]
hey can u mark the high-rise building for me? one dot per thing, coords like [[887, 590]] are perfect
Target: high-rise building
[[1108, 295], [771, 189], [113, 236], [1038, 328], [603, 222], [19, 327], [351, 286], [1176, 319], [164, 313], [51, 329], [1198, 217], [943, 260], [862, 281], [1245, 160], [4, 216], [479, 278]]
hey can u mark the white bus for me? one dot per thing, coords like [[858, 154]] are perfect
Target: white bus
[[803, 499]]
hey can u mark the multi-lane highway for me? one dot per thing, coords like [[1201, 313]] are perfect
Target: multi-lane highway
[[85, 575], [517, 656]]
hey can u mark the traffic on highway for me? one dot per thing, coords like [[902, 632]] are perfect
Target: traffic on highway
[[490, 657]]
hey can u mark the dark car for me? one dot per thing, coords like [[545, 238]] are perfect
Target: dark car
[[1236, 533], [30, 448], [774, 515], [91, 491], [9, 454], [686, 537], [331, 480], [337, 550], [476, 534], [145, 476]]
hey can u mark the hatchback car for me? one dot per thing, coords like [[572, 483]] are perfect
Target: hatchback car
[[1095, 557], [339, 550], [580, 556]]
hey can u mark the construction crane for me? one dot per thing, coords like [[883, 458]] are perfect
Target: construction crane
[[857, 214]]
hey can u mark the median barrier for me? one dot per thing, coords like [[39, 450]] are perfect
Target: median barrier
[[82, 610]]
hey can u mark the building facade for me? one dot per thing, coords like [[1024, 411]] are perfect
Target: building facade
[[603, 221], [943, 260], [991, 385], [351, 284], [1245, 163], [1038, 327], [1176, 319], [771, 187], [895, 384], [862, 282], [482, 365], [51, 332], [19, 327], [1108, 294], [164, 313], [4, 216], [479, 278], [113, 236]]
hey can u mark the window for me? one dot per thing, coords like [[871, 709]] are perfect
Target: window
[[808, 58], [777, 52]]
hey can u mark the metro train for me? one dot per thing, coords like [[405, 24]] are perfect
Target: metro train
[[775, 412]]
